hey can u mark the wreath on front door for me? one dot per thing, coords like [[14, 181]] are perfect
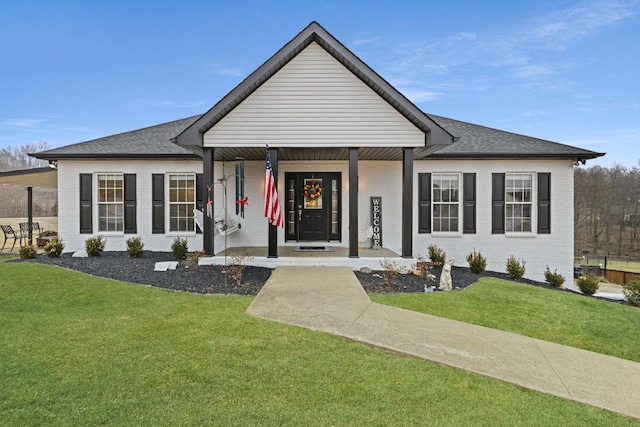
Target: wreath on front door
[[312, 191]]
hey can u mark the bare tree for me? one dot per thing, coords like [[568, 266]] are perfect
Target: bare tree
[[607, 209], [18, 158]]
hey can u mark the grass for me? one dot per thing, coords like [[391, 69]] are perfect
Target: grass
[[631, 266], [560, 317], [79, 350]]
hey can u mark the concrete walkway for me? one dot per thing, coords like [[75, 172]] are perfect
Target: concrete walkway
[[331, 300]]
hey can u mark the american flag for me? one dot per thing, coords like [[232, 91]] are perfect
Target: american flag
[[271, 204]]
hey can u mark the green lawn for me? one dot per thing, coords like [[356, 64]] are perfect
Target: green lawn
[[78, 350], [560, 317], [613, 264]]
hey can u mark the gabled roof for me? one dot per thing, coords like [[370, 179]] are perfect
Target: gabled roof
[[192, 136], [152, 142]]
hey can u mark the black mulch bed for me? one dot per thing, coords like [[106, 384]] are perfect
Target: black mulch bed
[[211, 279]]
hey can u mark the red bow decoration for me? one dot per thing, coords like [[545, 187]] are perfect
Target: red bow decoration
[[243, 201]]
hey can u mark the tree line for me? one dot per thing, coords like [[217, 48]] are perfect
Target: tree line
[[607, 210]]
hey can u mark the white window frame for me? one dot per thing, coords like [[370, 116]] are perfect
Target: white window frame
[[517, 199], [438, 202], [107, 198], [187, 215]]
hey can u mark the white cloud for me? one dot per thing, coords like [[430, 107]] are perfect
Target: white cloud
[[224, 70], [563, 27], [166, 103], [20, 123], [533, 71]]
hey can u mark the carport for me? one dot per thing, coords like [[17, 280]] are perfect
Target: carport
[[44, 177]]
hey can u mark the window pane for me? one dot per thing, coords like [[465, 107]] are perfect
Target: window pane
[[518, 196], [181, 202]]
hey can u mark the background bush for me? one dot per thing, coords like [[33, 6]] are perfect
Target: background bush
[[95, 245], [54, 247], [179, 247], [135, 247], [28, 251], [588, 284], [436, 255], [477, 263], [632, 292], [515, 268], [555, 279]]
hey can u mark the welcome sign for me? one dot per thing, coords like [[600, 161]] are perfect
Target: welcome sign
[[376, 221]]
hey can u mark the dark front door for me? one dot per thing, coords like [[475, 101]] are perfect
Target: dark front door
[[313, 206]]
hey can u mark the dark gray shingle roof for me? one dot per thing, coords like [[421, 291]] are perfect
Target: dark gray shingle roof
[[477, 141], [474, 142], [152, 142]]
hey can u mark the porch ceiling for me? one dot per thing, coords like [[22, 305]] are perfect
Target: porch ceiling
[[315, 154]]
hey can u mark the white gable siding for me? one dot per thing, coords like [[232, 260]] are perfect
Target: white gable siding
[[538, 250], [314, 101]]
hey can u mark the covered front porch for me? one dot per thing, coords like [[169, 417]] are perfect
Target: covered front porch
[[289, 256]]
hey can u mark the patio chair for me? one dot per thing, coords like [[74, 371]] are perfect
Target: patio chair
[[10, 233], [30, 227]]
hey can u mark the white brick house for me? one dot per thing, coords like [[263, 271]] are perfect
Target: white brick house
[[327, 118]]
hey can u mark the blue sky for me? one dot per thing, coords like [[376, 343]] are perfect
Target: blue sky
[[567, 71]]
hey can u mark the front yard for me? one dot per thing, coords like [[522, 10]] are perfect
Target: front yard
[[80, 350]]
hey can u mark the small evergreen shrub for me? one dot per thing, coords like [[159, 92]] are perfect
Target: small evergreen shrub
[[28, 251], [54, 247], [477, 263], [436, 255], [632, 291], [588, 284], [515, 268], [555, 279], [95, 245], [179, 247], [135, 247]]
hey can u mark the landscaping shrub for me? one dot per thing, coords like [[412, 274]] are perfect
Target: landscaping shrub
[[135, 247], [28, 251], [179, 247], [477, 263], [390, 270], [515, 268], [423, 269], [632, 291], [95, 245], [436, 255], [54, 247], [555, 279], [588, 284], [236, 265], [193, 259]]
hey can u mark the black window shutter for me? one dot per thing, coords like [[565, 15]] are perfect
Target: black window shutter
[[199, 197], [469, 203], [86, 200], [544, 203], [497, 207], [424, 203], [130, 226], [157, 207]]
